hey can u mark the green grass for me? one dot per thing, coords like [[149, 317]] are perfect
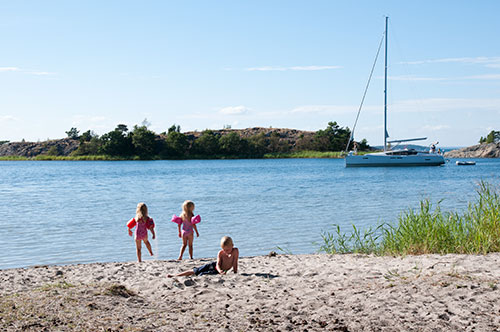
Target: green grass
[[305, 154], [428, 230], [12, 158], [42, 157]]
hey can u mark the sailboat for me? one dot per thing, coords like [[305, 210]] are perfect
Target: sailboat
[[394, 156]]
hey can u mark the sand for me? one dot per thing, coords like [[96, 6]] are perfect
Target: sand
[[271, 293]]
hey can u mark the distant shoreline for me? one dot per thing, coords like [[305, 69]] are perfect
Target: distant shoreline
[[278, 155]]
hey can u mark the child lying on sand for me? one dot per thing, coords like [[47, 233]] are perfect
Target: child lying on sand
[[227, 258]]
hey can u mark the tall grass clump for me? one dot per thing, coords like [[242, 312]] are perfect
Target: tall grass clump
[[429, 230], [356, 241]]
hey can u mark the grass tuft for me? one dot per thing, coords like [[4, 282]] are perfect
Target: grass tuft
[[428, 230]]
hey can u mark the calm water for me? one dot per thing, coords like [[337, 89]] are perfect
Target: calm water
[[75, 212]]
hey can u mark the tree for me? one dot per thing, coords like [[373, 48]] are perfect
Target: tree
[[333, 138], [276, 144], [117, 142], [233, 145], [363, 145], [174, 128], [144, 142], [73, 133], [258, 145], [493, 137], [207, 144], [176, 144], [87, 136]]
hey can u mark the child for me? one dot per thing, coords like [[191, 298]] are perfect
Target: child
[[227, 258], [187, 221], [143, 223]]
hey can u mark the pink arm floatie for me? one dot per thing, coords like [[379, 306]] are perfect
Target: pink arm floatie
[[177, 220], [195, 219], [131, 223], [151, 223]]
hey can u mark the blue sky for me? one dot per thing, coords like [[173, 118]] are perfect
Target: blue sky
[[206, 64]]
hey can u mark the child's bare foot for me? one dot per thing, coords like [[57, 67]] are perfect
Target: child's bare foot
[[179, 259]]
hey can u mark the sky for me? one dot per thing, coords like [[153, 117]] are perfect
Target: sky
[[262, 63]]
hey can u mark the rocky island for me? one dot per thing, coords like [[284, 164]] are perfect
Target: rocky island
[[488, 150]]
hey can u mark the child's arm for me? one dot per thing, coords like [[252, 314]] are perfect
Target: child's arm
[[153, 232], [196, 230], [236, 254], [179, 228], [131, 224], [218, 266]]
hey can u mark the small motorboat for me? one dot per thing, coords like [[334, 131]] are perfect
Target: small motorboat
[[465, 163]]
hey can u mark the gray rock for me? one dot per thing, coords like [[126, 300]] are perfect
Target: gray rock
[[491, 150]]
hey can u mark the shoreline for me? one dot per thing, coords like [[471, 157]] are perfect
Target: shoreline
[[315, 292]]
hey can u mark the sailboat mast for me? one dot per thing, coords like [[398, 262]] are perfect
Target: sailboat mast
[[385, 87]]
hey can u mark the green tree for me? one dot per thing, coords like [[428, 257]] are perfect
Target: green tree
[[73, 133], [233, 145], [174, 128], [207, 144], [276, 144], [363, 145], [492, 137], [176, 144], [87, 136], [90, 144], [258, 145], [304, 143], [117, 142], [333, 138], [144, 142]]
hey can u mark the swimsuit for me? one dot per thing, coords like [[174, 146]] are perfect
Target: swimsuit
[[186, 225], [141, 231], [206, 269]]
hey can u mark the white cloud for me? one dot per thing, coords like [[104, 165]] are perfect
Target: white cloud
[[7, 118], [415, 78], [483, 77], [234, 110], [293, 68], [477, 60], [460, 78], [329, 109], [25, 71], [445, 104], [40, 73], [435, 127], [5, 69]]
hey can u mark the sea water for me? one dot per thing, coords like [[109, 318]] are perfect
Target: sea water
[[62, 212]]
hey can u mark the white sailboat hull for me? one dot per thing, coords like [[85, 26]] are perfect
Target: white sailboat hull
[[383, 159]]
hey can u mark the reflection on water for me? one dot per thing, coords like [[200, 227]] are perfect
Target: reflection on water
[[66, 212]]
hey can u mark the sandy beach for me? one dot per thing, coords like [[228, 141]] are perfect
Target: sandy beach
[[271, 293]]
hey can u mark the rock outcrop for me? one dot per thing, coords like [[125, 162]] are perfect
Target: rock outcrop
[[60, 147], [491, 150], [292, 134]]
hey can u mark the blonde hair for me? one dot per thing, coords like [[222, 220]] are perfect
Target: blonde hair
[[187, 210], [141, 212], [226, 241]]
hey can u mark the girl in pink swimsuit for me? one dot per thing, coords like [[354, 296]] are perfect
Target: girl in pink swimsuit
[[186, 223], [142, 223]]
